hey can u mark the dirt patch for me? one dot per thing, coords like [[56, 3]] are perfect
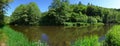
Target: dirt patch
[[3, 39]]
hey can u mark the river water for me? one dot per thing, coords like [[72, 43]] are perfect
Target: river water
[[61, 35]]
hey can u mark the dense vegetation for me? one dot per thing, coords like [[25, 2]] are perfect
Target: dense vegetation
[[10, 37], [112, 39], [87, 41], [113, 36], [3, 5], [61, 12], [26, 15]]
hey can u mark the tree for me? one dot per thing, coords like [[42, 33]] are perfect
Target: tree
[[26, 15], [92, 20], [79, 3], [90, 10], [59, 12], [64, 11], [3, 5], [6, 19], [51, 18], [55, 4], [33, 13], [19, 16]]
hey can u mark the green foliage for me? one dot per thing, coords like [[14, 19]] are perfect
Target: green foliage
[[19, 16], [112, 37], [92, 20], [51, 18], [26, 15], [75, 17], [55, 4], [57, 14], [3, 5], [117, 17], [6, 19], [33, 14], [61, 11], [13, 38], [87, 41]]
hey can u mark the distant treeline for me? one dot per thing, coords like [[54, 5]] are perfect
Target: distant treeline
[[61, 12]]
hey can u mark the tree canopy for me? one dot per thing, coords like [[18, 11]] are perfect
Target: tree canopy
[[26, 14], [62, 12]]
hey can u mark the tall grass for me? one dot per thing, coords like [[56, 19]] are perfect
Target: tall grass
[[113, 37], [13, 38], [17, 39], [87, 41]]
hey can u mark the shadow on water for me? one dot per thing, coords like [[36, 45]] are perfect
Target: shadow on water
[[59, 35], [1, 25]]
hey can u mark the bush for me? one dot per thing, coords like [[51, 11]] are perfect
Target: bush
[[82, 18], [113, 37], [92, 20], [87, 41]]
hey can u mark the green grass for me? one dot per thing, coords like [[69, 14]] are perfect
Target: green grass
[[75, 24], [113, 36], [14, 38], [87, 41]]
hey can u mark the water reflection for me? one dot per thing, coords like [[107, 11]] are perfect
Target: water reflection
[[59, 35], [44, 38]]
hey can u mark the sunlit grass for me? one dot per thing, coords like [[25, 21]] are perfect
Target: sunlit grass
[[14, 38], [87, 41], [113, 36]]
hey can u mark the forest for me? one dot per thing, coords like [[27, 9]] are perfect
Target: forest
[[62, 13]]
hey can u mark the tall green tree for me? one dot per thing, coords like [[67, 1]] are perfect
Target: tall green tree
[[55, 4], [19, 16], [33, 13], [26, 15]]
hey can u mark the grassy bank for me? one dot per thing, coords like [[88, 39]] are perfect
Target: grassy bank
[[9, 37], [112, 39], [12, 38], [113, 36], [71, 24], [87, 41]]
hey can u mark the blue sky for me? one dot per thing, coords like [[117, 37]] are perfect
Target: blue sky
[[43, 4]]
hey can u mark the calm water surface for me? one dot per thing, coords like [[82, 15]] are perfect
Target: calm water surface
[[60, 35]]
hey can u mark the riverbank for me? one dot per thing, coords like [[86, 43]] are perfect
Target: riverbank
[[112, 39], [10, 37]]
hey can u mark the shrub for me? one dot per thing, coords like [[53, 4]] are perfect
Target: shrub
[[92, 20], [82, 18], [113, 37]]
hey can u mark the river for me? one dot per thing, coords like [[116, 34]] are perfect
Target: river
[[61, 35]]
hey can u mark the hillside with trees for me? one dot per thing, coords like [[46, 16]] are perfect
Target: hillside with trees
[[61, 12]]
